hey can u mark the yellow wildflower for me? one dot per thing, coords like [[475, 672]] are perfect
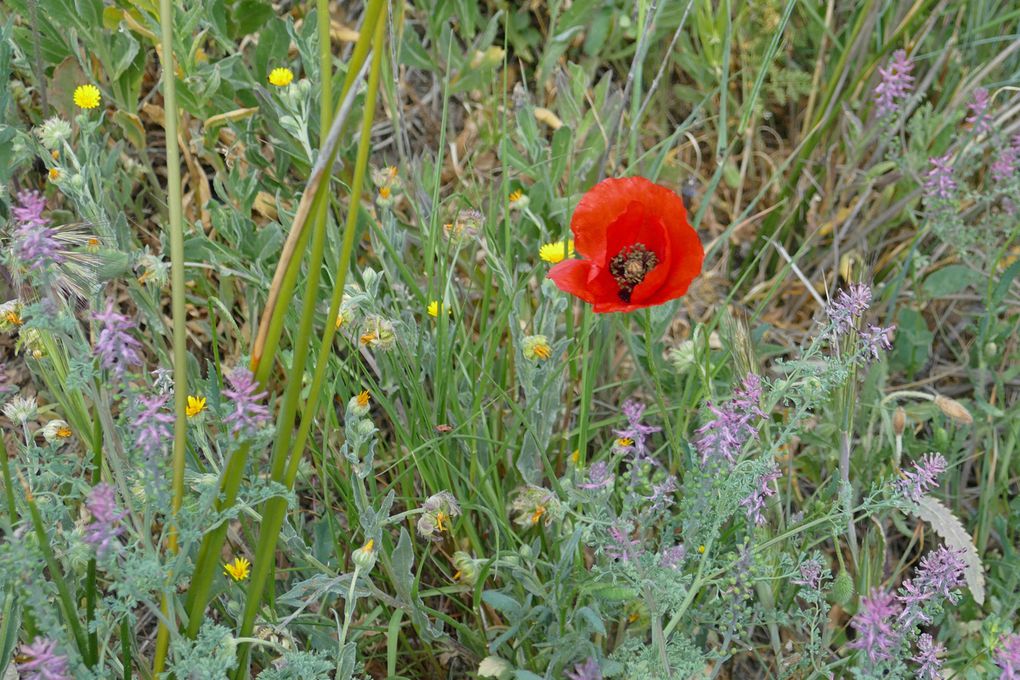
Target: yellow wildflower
[[536, 348], [435, 307], [384, 192], [554, 252], [13, 318], [238, 569], [54, 174], [624, 442], [86, 96], [363, 398], [195, 406], [281, 77], [537, 515]]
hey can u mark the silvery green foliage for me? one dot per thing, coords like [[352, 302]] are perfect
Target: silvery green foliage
[[540, 380], [210, 656], [300, 666]]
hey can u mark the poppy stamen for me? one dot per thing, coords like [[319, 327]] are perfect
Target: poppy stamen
[[630, 267]]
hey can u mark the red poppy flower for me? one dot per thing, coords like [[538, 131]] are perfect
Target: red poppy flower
[[638, 249]]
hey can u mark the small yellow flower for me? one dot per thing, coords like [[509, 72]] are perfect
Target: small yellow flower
[[624, 442], [368, 338], [575, 457], [536, 348], [537, 515], [440, 518], [281, 77], [384, 192], [63, 432], [553, 252], [54, 174], [55, 155], [701, 549], [516, 196], [92, 245], [238, 569], [363, 398], [86, 96], [435, 307], [195, 406], [13, 318]]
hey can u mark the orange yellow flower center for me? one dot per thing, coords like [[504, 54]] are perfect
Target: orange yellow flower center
[[363, 397], [13, 318], [537, 515]]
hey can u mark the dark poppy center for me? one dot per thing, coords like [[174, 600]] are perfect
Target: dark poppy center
[[630, 267]]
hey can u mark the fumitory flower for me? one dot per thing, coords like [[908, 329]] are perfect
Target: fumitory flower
[[102, 531], [152, 424], [439, 511], [979, 117], [755, 502], [929, 665], [40, 661], [35, 243], [599, 477], [248, 415], [940, 183], [896, 82], [876, 636], [621, 546], [115, 346], [923, 478], [1007, 657], [637, 247], [587, 670], [734, 423]]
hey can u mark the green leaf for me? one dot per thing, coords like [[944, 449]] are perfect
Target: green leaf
[[403, 582], [950, 280], [502, 602]]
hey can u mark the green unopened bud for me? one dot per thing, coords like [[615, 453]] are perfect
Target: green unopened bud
[[467, 567], [842, 588]]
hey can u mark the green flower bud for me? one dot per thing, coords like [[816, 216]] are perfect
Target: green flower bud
[[365, 556], [842, 588]]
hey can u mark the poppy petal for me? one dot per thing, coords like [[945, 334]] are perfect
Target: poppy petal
[[598, 208], [571, 276]]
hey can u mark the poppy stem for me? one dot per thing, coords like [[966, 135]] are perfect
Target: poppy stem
[[587, 386]]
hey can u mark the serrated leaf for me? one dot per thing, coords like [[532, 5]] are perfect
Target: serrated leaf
[[952, 531]]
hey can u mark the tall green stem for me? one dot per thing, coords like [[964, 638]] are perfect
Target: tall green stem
[[174, 205], [284, 281], [276, 508]]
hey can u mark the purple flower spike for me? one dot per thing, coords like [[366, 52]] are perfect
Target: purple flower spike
[[103, 531], [42, 661], [152, 425], [1007, 657], [35, 242], [939, 576], [1004, 165], [115, 346], [849, 305], [587, 670], [599, 477], [929, 665], [755, 502], [923, 478], [940, 183], [810, 575], [622, 546], [979, 117], [248, 415], [637, 432], [896, 84], [876, 339], [671, 558], [872, 622], [734, 423]]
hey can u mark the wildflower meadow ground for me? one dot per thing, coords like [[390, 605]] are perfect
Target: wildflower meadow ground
[[579, 339]]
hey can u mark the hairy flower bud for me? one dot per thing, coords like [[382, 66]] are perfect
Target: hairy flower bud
[[954, 409], [365, 556]]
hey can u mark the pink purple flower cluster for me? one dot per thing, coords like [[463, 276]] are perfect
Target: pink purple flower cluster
[[35, 243], [755, 502], [115, 346], [734, 423], [152, 424], [896, 83], [41, 661], [248, 415], [923, 478], [103, 530]]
